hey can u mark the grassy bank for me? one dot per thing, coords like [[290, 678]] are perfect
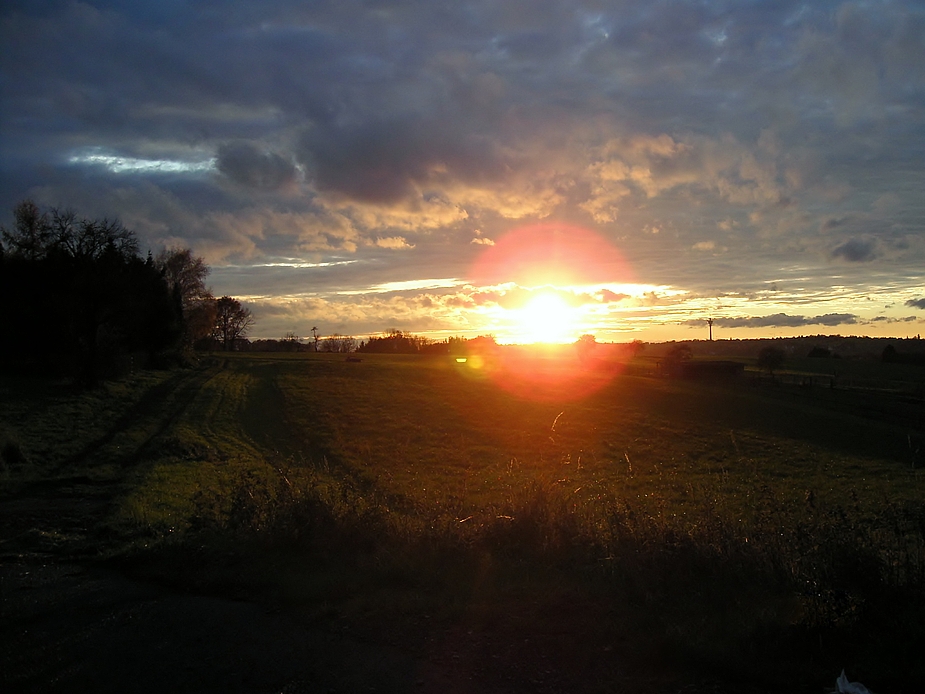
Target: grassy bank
[[757, 536]]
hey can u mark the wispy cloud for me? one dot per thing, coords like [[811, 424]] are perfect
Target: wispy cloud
[[124, 164]]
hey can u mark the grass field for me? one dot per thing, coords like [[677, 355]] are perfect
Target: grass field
[[756, 536]]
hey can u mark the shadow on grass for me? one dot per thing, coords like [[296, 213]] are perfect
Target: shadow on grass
[[781, 604]]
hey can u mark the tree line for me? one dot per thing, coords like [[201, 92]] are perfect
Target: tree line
[[398, 342], [392, 342], [78, 299]]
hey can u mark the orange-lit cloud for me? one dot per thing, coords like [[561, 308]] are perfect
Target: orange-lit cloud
[[550, 254]]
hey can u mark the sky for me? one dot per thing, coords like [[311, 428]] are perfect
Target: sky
[[529, 169]]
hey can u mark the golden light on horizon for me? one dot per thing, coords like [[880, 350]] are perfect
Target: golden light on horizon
[[546, 261], [546, 317]]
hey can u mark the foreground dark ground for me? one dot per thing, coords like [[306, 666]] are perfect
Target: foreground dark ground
[[73, 622], [290, 525]]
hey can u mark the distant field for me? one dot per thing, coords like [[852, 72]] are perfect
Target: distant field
[[704, 524]]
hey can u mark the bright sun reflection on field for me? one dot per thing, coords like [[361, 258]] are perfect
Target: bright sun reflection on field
[[546, 317]]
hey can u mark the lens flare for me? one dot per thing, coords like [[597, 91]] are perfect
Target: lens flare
[[543, 372], [547, 263]]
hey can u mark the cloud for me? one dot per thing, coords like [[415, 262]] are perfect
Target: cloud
[[247, 165], [387, 161], [635, 173], [916, 303], [856, 250], [608, 296], [416, 213], [393, 242], [783, 320], [887, 319], [301, 232]]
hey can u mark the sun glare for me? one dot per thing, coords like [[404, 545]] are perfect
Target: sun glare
[[560, 255], [557, 256], [546, 317]]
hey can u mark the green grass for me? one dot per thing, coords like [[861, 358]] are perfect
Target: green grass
[[736, 531]]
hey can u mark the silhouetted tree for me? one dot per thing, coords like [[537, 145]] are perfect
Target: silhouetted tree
[[679, 353], [185, 275], [150, 318], [232, 321], [87, 240], [676, 358], [394, 342], [585, 345], [771, 358], [436, 348], [337, 343], [85, 278], [482, 344], [291, 342], [456, 345], [31, 235]]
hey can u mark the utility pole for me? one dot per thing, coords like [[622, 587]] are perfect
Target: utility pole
[[710, 323]]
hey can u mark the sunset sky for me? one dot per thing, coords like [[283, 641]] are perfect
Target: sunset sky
[[529, 169]]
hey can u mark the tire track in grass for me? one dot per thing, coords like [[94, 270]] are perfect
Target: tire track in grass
[[158, 408], [63, 514], [274, 419], [197, 467], [170, 409], [270, 419]]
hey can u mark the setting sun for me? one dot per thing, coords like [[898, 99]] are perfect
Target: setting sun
[[546, 317], [535, 281]]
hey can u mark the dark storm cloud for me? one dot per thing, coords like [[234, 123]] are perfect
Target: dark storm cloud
[[856, 250], [247, 165], [382, 162]]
